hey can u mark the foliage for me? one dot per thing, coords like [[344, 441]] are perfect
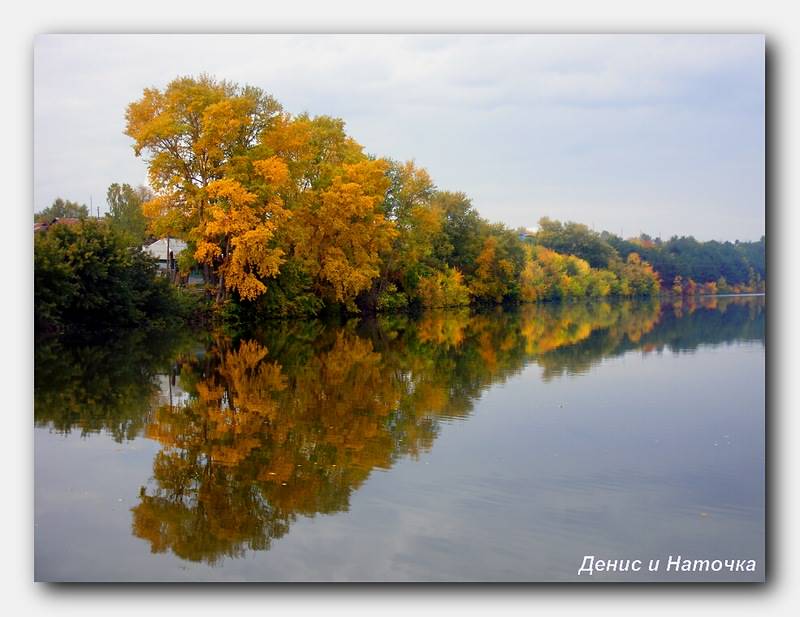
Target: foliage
[[443, 288], [60, 209], [86, 277], [192, 132], [550, 275], [390, 299], [288, 216], [741, 263], [575, 239], [636, 277], [497, 267], [125, 211], [339, 237]]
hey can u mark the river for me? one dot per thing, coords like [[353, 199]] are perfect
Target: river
[[501, 445]]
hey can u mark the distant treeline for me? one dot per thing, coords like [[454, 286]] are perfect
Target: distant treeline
[[684, 265]]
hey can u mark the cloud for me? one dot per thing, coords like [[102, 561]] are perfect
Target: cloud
[[667, 129]]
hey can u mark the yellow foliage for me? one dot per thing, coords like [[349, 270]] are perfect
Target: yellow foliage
[[273, 170], [237, 233], [340, 234], [443, 289]]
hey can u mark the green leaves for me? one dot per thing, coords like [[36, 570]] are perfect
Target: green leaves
[[86, 277]]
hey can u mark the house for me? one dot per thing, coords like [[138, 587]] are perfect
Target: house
[[163, 249]]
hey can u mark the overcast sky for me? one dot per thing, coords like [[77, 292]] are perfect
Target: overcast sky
[[660, 134]]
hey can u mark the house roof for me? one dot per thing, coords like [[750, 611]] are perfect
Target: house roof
[[158, 249]]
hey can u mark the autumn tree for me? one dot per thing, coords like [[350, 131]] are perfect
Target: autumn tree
[[340, 234], [498, 266], [637, 277], [192, 133], [443, 288], [256, 190], [236, 237]]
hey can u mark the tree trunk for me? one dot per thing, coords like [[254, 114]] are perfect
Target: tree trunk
[[221, 287]]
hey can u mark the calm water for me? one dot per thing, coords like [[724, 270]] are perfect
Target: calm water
[[500, 446]]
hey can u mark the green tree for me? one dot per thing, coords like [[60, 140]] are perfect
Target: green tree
[[86, 277], [575, 239], [463, 231], [62, 208], [125, 210]]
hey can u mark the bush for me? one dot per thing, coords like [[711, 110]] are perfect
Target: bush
[[391, 300], [444, 288], [87, 278]]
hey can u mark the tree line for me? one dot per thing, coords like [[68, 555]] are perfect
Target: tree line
[[286, 215]]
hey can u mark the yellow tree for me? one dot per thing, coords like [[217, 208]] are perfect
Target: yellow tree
[[236, 236], [314, 149], [191, 133], [339, 233]]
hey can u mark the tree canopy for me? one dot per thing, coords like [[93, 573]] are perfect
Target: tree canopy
[[61, 208], [125, 210]]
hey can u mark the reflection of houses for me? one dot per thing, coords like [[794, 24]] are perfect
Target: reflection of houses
[[170, 393], [165, 251], [45, 225]]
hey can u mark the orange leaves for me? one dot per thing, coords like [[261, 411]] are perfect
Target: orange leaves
[[206, 252], [193, 131], [231, 192], [344, 233], [252, 259], [354, 194], [229, 168], [146, 121], [238, 233], [222, 124], [314, 149], [273, 170]]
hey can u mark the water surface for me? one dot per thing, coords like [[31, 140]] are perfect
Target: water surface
[[456, 446]]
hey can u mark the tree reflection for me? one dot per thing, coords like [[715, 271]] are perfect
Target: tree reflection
[[292, 420], [269, 436], [109, 385]]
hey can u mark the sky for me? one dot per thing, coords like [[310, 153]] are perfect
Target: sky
[[657, 134]]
